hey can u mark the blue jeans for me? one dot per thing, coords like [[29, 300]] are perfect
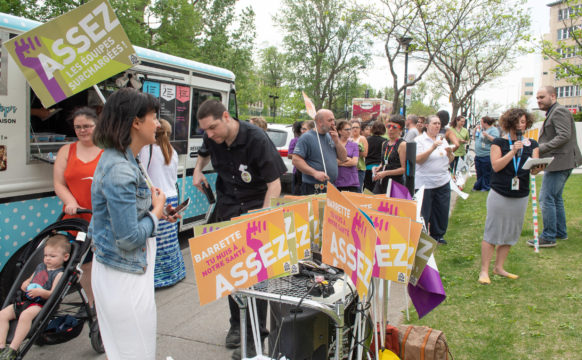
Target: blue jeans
[[483, 169], [552, 204], [361, 174]]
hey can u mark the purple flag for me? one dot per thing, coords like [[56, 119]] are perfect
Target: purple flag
[[429, 291], [399, 191]]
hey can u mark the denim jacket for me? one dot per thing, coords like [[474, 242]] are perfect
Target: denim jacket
[[121, 222]]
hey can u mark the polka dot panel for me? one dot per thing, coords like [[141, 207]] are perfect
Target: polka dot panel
[[198, 203], [22, 221]]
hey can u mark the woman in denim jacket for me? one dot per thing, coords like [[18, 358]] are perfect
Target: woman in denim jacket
[[125, 217]]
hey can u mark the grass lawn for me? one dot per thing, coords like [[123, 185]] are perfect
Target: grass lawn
[[538, 316]]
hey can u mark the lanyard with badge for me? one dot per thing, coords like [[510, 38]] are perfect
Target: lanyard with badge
[[515, 180]]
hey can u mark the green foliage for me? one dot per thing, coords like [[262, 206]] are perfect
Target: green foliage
[[510, 319], [420, 109], [16, 7], [568, 51], [479, 51], [578, 117], [325, 45], [201, 30]]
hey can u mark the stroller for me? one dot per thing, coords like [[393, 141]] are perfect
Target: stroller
[[67, 309]]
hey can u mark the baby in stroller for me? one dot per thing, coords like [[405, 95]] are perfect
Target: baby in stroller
[[35, 291]]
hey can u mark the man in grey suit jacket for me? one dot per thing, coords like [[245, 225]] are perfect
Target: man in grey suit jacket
[[558, 139]]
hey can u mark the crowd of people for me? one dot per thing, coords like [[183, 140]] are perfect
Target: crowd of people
[[127, 155]]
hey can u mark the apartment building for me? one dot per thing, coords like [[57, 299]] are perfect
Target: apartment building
[[563, 19], [526, 89]]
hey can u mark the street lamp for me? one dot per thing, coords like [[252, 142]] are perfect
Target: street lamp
[[347, 113], [274, 97], [405, 41]]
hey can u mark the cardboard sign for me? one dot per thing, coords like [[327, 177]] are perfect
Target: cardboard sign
[[391, 206], [296, 226], [426, 247], [415, 231], [208, 228], [240, 255], [73, 52], [315, 216], [348, 240], [391, 260]]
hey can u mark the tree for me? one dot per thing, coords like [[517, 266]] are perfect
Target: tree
[[17, 7], [324, 45], [478, 51], [424, 100], [272, 73], [423, 24], [569, 48], [200, 30]]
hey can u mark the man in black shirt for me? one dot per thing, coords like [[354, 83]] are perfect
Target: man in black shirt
[[249, 170]]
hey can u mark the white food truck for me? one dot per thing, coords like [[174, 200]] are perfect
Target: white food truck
[[29, 143]]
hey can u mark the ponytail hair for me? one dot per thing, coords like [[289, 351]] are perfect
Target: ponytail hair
[[163, 140]]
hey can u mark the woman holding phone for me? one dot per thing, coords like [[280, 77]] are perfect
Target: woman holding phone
[[126, 212], [161, 163]]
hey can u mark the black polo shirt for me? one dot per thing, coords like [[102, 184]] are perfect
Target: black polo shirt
[[244, 168]]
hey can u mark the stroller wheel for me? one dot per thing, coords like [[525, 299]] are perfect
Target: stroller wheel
[[95, 336]]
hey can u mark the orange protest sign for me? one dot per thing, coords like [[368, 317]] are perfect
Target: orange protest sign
[[296, 226], [532, 134], [391, 206], [240, 255], [315, 216], [309, 106], [392, 246], [415, 230], [348, 240]]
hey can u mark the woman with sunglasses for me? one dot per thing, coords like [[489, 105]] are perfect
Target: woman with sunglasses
[[347, 177], [358, 138], [72, 177], [393, 156]]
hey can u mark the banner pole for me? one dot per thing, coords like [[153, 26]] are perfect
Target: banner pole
[[534, 207]]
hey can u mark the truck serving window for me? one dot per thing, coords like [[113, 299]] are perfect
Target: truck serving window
[[198, 97]]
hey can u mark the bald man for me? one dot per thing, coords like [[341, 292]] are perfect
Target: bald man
[[558, 139], [308, 156]]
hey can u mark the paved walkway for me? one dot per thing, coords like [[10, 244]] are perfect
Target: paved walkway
[[186, 330]]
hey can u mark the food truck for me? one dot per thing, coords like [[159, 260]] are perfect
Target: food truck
[[29, 142], [369, 109]]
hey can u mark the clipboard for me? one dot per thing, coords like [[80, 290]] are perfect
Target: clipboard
[[530, 162]]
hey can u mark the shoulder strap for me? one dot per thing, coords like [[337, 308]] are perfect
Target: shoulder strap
[[150, 159], [423, 346], [73, 149], [403, 349]]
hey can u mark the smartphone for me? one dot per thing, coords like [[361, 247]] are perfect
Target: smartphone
[[178, 209], [209, 194]]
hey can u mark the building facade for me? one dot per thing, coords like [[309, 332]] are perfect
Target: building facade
[[564, 18], [526, 89]]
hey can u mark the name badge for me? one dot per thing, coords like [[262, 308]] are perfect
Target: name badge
[[515, 183]]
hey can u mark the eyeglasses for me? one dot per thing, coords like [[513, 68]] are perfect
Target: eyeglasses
[[347, 129], [84, 127], [392, 126], [355, 127]]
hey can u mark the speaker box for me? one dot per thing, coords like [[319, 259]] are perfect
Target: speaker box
[[304, 333]]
